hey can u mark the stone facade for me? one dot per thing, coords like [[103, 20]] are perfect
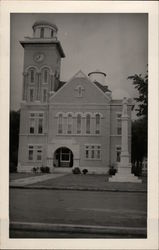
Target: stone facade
[[65, 125]]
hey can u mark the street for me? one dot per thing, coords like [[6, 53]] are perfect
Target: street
[[78, 207]]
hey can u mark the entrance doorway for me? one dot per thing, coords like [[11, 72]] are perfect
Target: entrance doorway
[[63, 157]]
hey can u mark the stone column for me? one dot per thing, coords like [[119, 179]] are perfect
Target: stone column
[[124, 140], [25, 85], [124, 168]]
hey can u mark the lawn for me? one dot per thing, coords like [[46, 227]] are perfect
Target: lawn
[[15, 176], [91, 181]]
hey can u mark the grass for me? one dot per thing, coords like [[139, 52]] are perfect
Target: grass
[[15, 176], [91, 181]]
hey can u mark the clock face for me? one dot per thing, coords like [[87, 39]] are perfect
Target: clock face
[[39, 57]]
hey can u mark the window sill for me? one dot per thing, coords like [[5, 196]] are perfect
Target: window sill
[[78, 135]]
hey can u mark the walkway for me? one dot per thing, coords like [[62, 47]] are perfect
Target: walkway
[[34, 179]]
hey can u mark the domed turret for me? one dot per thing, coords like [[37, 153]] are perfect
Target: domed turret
[[97, 76], [43, 29]]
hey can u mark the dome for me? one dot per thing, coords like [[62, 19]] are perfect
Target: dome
[[44, 23], [97, 76]]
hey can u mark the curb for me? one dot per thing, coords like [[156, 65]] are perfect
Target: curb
[[72, 228], [77, 189]]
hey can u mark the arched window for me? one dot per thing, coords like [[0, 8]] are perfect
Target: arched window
[[97, 129], [32, 75], [60, 120], [69, 127], [45, 75], [88, 124], [79, 122]]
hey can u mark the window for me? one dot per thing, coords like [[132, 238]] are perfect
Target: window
[[39, 153], [45, 76], [118, 153], [79, 122], [32, 76], [60, 124], [97, 130], [88, 124], [119, 128], [40, 126], [92, 152], [52, 33], [35, 152], [32, 125], [44, 95], [69, 128], [79, 90], [31, 94], [31, 151], [42, 33], [65, 154], [36, 123]]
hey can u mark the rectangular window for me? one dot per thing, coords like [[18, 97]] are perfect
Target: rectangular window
[[31, 153], [40, 126], [31, 95], [35, 153], [88, 124], [118, 119], [93, 152], [60, 124], [69, 128], [36, 123], [44, 95], [97, 120], [118, 153], [39, 153], [42, 33], [32, 125], [79, 123]]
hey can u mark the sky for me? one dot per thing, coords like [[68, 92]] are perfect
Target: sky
[[116, 44]]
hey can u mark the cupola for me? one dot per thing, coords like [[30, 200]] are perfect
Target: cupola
[[43, 29], [98, 76]]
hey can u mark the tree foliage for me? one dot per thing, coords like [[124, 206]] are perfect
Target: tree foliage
[[139, 126], [14, 139], [141, 84]]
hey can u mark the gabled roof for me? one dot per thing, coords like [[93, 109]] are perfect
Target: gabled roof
[[102, 87]]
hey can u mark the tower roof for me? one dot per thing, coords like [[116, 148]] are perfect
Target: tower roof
[[44, 23]]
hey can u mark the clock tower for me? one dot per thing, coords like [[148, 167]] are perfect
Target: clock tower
[[42, 62]]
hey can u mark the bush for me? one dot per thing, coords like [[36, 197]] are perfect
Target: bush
[[35, 169], [112, 170], [137, 170], [85, 171], [76, 171], [45, 170]]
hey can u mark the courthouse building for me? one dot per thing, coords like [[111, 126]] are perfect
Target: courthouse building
[[66, 124]]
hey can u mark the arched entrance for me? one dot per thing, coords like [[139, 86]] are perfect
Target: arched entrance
[[63, 157]]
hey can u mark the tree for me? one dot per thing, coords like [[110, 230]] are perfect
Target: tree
[[139, 126], [141, 84], [14, 139]]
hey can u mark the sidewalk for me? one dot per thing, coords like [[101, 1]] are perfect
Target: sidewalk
[[34, 179]]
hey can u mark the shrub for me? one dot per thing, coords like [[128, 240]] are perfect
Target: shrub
[[85, 171], [45, 170], [136, 170], [35, 169], [76, 171], [112, 170]]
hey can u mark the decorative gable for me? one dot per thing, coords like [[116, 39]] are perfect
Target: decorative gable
[[80, 86]]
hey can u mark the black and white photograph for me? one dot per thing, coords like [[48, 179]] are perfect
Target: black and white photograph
[[79, 109], [78, 125]]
